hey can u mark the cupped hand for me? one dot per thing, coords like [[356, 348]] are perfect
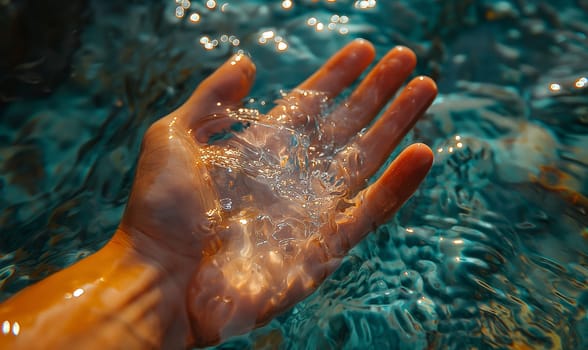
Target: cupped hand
[[260, 209]]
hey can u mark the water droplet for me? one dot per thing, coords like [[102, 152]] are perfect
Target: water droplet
[[226, 204]]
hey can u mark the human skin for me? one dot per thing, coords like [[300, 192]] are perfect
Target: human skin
[[171, 277]]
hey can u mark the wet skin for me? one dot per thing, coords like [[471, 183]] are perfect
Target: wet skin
[[168, 278]]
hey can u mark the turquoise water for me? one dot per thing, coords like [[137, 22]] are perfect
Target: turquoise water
[[492, 251]]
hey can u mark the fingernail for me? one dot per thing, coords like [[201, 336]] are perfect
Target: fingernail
[[424, 161], [238, 58]]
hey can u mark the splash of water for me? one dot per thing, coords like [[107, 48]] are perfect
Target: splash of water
[[288, 170], [280, 181]]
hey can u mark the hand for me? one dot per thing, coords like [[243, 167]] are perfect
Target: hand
[[256, 221]]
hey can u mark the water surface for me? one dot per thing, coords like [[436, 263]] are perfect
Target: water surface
[[492, 251]]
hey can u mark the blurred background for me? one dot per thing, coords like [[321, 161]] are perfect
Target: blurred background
[[492, 251]]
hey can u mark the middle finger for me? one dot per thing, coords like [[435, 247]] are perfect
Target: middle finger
[[382, 82]]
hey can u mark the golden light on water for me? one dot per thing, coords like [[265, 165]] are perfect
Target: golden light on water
[[270, 36], [183, 5], [336, 23], [452, 147], [554, 87], [196, 14], [365, 4], [209, 43], [569, 84], [194, 18]]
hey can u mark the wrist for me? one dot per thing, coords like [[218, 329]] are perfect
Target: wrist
[[118, 297], [165, 279], [173, 269]]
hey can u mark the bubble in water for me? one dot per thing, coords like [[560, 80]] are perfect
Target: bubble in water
[[226, 204], [283, 182], [280, 176]]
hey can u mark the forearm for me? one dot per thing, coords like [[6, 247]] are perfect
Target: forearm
[[112, 299]]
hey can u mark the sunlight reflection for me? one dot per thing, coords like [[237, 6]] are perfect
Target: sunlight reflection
[[15, 328], [554, 87], [270, 35], [365, 4], [336, 23], [7, 327], [194, 18], [455, 143], [195, 13]]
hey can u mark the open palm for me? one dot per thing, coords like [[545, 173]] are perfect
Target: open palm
[[262, 208]]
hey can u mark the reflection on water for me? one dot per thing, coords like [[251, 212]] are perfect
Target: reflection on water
[[492, 252]]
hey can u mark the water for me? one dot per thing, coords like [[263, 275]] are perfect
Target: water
[[490, 253], [290, 171], [281, 181]]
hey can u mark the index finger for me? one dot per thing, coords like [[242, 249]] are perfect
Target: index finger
[[333, 77]]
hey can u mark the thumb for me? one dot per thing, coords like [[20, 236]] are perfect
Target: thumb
[[225, 88]]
